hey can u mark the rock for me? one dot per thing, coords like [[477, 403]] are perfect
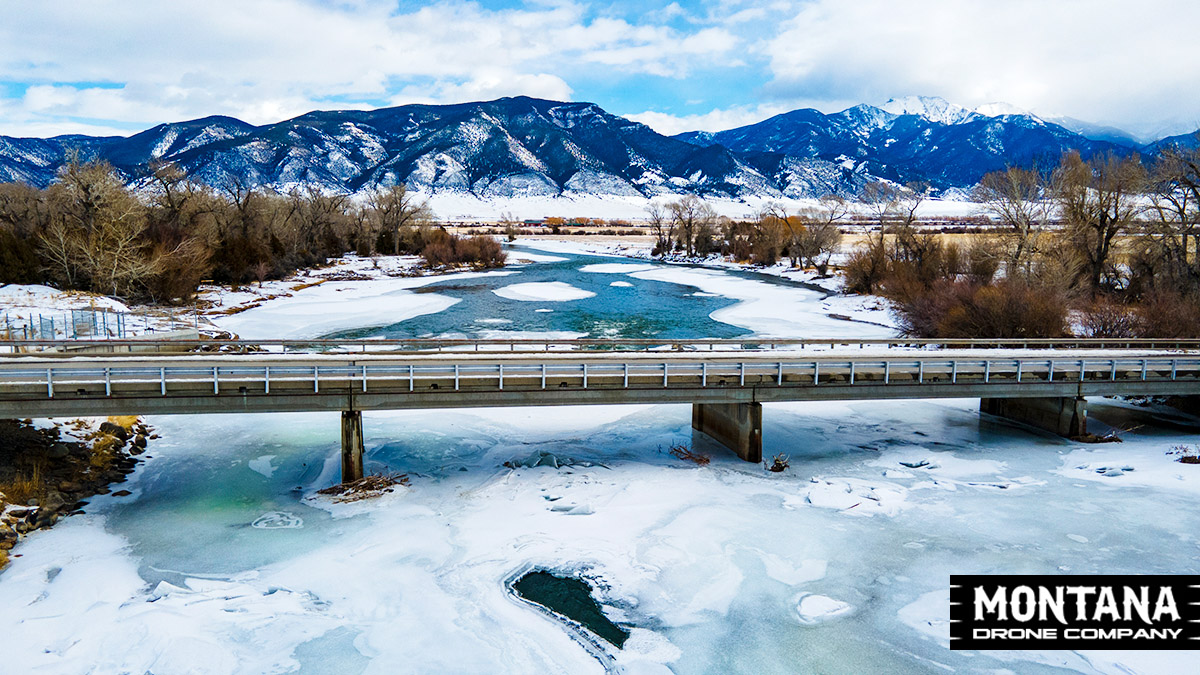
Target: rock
[[33, 501], [135, 450], [69, 486], [139, 441], [53, 502], [122, 493], [6, 545], [45, 519], [115, 430], [58, 451]]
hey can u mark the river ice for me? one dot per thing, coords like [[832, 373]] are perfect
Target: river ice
[[553, 291], [225, 561]]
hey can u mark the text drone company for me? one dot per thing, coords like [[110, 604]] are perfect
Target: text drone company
[[1055, 612]]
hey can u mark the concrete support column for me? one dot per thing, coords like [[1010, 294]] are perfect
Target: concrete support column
[[737, 426], [1063, 416], [352, 445]]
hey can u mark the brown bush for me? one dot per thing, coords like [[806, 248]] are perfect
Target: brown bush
[[1008, 309], [1165, 314], [1107, 319], [443, 249]]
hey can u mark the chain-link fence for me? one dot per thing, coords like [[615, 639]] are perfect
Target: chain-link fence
[[91, 324]]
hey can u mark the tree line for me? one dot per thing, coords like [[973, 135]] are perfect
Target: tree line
[[1104, 247], [689, 227], [90, 231]]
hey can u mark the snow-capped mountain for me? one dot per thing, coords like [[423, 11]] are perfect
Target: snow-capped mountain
[[914, 138], [526, 147], [505, 148], [932, 108]]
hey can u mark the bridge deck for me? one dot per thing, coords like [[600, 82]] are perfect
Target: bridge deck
[[40, 385]]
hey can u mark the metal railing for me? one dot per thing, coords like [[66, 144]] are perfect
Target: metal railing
[[391, 346], [206, 376]]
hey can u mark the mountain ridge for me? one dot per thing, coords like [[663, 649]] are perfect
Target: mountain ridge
[[524, 146]]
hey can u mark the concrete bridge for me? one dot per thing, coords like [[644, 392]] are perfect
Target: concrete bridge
[[1042, 383]]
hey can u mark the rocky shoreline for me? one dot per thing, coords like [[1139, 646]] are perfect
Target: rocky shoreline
[[48, 473]]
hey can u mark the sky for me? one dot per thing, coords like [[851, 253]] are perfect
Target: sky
[[115, 67]]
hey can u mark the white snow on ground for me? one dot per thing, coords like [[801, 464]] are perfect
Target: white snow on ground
[[549, 291], [50, 308], [459, 206], [340, 305]]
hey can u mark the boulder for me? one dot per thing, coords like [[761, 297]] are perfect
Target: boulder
[[58, 451], [115, 430]]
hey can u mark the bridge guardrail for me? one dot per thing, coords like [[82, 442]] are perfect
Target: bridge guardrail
[[40, 382], [140, 347]]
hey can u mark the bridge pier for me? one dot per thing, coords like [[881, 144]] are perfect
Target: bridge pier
[[352, 445], [737, 426], [1063, 416]]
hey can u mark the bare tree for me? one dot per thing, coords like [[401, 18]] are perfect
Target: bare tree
[[691, 216], [662, 224], [822, 235], [1017, 198], [397, 210], [98, 237], [882, 199], [1170, 246], [909, 199], [1098, 202]]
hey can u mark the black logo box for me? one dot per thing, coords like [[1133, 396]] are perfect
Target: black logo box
[[993, 612]]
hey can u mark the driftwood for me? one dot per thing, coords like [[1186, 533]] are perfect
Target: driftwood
[[365, 488]]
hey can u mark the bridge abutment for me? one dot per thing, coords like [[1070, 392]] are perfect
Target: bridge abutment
[[1063, 416], [737, 426], [352, 445]]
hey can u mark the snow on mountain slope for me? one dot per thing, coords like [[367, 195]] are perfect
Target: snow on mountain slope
[[932, 108]]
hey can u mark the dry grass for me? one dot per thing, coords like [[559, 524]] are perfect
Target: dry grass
[[308, 285], [685, 453], [127, 422], [3, 559], [25, 486]]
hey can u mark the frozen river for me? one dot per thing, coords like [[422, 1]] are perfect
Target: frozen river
[[221, 561]]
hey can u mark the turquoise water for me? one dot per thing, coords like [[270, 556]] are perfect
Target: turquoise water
[[646, 309]]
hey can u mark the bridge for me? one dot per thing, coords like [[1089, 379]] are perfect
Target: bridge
[[1040, 382]]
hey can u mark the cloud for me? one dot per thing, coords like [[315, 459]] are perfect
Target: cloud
[[263, 60], [715, 120], [75, 65], [1097, 60]]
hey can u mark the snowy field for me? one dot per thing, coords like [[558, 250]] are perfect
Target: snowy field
[[225, 561], [461, 207]]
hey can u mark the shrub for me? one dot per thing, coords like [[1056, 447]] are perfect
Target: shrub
[[444, 249], [1107, 319], [1165, 314], [1008, 309]]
